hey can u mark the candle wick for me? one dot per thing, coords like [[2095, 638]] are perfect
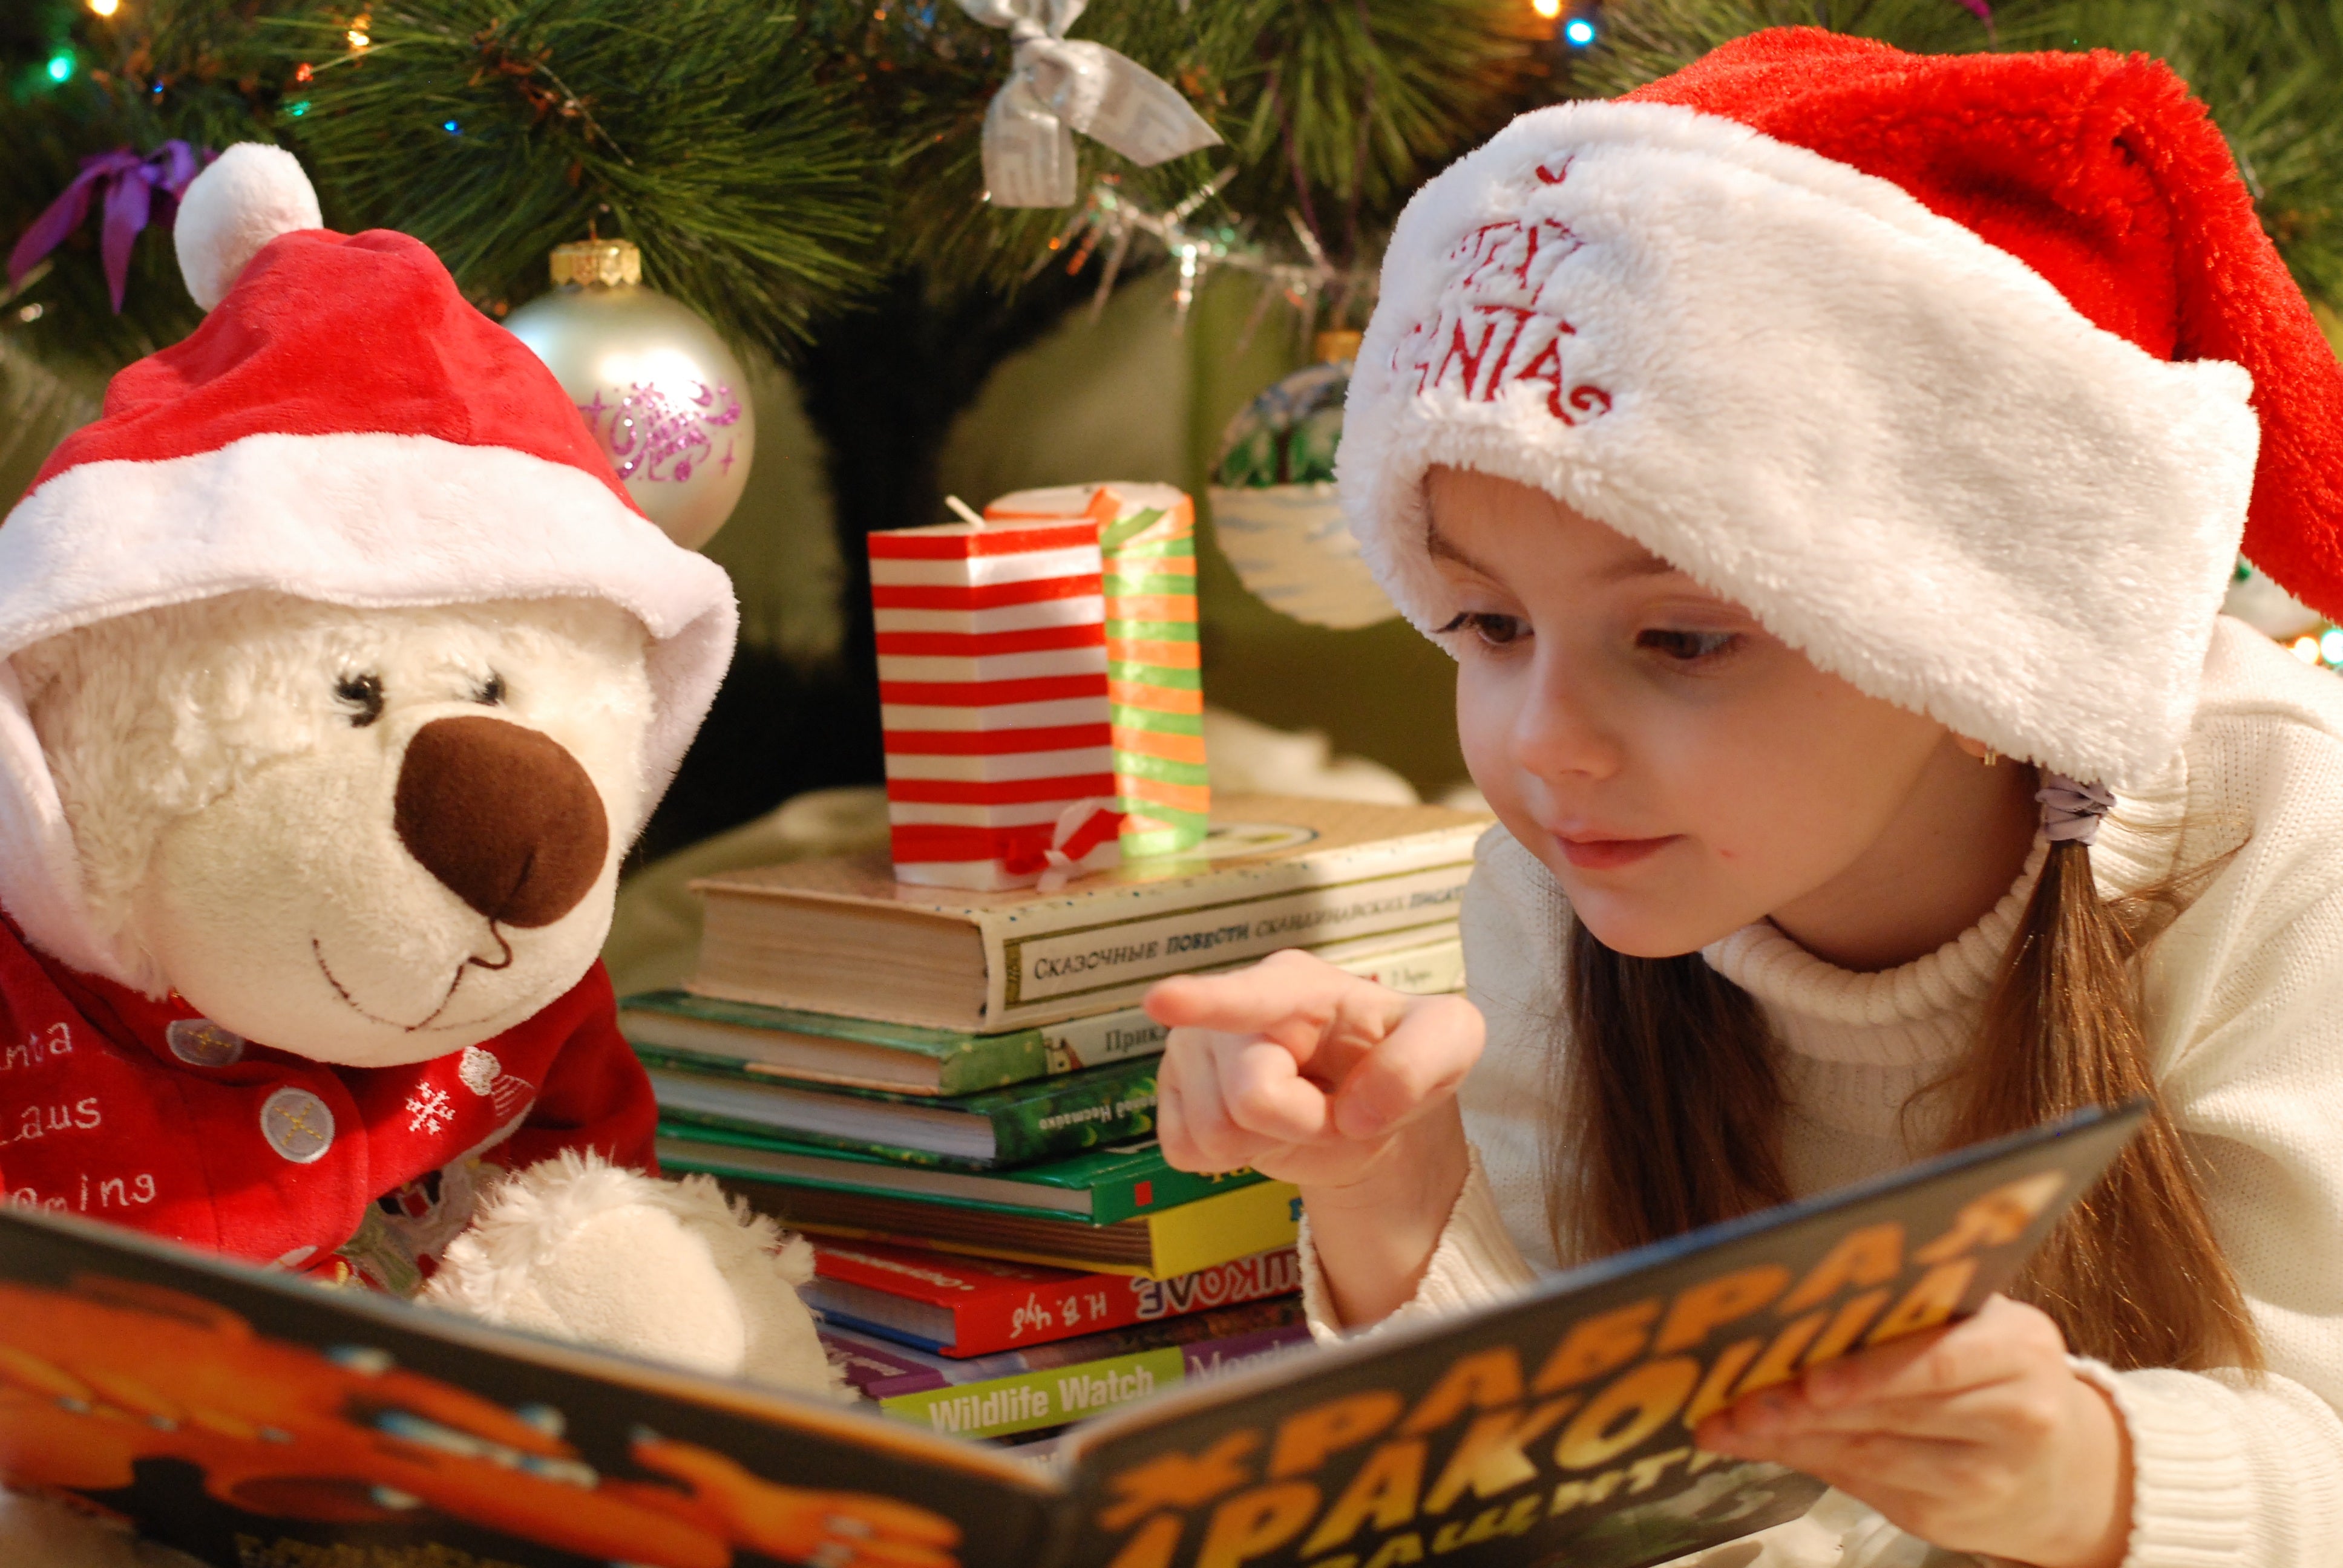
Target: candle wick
[[968, 514]]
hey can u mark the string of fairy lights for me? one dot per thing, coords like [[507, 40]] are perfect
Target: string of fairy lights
[[2323, 647], [1108, 225], [1111, 225], [1321, 292]]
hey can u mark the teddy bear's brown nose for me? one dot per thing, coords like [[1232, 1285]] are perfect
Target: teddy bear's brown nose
[[503, 816]]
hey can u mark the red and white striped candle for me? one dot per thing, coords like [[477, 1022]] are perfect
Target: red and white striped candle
[[992, 686], [1147, 542]]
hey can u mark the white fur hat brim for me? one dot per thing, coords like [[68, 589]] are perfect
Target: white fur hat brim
[[1898, 446]]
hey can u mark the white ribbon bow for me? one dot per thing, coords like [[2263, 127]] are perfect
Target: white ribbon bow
[[1058, 86]]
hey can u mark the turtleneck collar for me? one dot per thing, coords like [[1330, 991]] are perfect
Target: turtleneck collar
[[1898, 1016]]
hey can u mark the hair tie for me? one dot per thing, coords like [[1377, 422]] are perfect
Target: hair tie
[[2071, 810]]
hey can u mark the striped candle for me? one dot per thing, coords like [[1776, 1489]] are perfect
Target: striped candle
[[992, 686], [1147, 536]]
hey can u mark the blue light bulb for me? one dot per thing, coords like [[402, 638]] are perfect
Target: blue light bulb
[[61, 66], [1579, 31]]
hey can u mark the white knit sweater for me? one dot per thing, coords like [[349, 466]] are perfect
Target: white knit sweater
[[2245, 1023]]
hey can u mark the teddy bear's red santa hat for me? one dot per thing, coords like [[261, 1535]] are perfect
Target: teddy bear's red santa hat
[[1953, 370], [343, 426]]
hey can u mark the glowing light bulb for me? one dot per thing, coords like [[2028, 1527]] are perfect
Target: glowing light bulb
[[104, 7], [357, 40], [2306, 649], [2330, 645], [1579, 31], [60, 66], [1549, 9]]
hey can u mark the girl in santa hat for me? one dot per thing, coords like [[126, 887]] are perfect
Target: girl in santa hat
[[1825, 466]]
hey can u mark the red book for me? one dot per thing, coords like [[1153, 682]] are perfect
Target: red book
[[959, 1306]]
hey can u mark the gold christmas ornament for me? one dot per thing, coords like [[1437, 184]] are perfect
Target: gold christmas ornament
[[608, 262], [664, 397]]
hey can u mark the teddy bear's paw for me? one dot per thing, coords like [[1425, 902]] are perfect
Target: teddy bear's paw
[[576, 1249], [764, 1268]]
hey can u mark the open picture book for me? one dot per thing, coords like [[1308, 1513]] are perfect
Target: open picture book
[[259, 1421]]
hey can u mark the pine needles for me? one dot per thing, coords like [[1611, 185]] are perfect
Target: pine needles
[[1644, 39], [1334, 110], [493, 130], [2271, 73], [923, 71], [188, 68], [1347, 106], [777, 159]]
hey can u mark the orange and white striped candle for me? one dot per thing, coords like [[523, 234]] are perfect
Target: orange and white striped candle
[[993, 694], [1147, 536]]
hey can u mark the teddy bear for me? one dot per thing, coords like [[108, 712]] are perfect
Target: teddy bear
[[337, 672]]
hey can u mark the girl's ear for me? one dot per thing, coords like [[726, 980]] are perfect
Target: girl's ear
[[1978, 748]]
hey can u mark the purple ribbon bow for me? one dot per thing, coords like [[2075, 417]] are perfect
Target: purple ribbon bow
[[2072, 809], [131, 183]]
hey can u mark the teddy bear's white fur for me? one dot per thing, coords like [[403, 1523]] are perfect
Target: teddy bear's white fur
[[207, 782], [543, 1255], [228, 768], [232, 806]]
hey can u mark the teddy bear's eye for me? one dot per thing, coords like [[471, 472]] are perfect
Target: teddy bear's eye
[[491, 691], [362, 694]]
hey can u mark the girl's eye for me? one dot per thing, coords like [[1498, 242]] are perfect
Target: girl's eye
[[1497, 630], [1686, 647], [362, 695]]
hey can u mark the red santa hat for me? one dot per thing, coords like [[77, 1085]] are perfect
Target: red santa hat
[[1953, 370], [345, 428]]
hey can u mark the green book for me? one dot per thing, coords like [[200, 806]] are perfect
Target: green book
[[861, 1053], [1100, 1186], [1001, 1126]]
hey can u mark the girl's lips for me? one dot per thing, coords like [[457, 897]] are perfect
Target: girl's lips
[[1608, 854]]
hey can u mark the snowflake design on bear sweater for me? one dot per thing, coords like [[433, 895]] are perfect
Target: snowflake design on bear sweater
[[430, 1109]]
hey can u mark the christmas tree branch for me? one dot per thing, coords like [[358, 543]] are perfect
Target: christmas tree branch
[[495, 129], [2271, 74]]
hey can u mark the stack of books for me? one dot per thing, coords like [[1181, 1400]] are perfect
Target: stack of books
[[954, 1092], [988, 1349]]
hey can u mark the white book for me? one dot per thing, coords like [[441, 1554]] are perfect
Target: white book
[[842, 936]]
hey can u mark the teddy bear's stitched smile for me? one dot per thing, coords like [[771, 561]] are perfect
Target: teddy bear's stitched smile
[[318, 952]]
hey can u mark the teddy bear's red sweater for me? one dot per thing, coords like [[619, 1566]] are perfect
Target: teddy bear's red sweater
[[118, 1107]]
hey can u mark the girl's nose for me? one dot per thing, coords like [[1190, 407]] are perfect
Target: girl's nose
[[1559, 730]]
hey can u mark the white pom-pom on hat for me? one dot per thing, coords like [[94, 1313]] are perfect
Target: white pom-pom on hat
[[247, 197]]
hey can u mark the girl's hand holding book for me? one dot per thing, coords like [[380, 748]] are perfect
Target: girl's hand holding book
[[1978, 1437], [1343, 1087]]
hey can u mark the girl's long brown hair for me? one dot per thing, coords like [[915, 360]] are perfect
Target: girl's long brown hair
[[1672, 1092]]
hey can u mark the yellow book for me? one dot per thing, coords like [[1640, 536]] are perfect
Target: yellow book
[[1202, 1234]]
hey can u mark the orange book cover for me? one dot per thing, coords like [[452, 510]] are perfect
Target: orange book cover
[[256, 1420]]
